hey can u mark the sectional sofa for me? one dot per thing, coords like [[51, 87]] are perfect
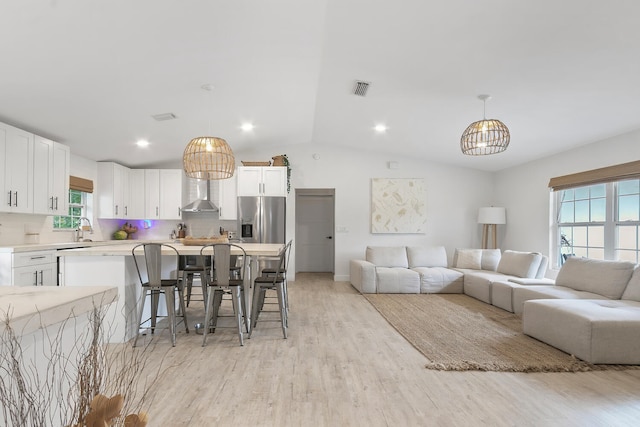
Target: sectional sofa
[[413, 269], [591, 310]]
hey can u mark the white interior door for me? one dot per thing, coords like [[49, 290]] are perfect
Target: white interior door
[[315, 230]]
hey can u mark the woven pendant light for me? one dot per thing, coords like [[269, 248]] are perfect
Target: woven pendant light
[[485, 136], [208, 157]]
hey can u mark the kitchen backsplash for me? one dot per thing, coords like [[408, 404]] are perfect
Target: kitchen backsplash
[[16, 229]]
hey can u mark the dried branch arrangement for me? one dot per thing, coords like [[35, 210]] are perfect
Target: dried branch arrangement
[[70, 387]]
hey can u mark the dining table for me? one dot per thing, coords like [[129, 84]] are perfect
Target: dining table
[[113, 265]]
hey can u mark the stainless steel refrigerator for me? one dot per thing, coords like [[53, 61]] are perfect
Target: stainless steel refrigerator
[[262, 219]]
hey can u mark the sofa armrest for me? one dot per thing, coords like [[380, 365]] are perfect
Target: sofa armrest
[[532, 282], [363, 276]]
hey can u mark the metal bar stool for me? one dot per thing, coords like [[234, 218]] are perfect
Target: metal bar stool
[[221, 279], [155, 284], [191, 265], [275, 282]]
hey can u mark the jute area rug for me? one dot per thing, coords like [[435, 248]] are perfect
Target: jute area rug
[[459, 333]]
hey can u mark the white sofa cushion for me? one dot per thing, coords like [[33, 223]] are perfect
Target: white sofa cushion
[[632, 291], [387, 256], [607, 278], [419, 256], [490, 259], [439, 280], [598, 331], [520, 264], [469, 258], [397, 280]]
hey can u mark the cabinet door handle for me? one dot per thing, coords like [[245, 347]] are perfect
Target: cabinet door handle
[[157, 210], [56, 202], [9, 198], [179, 211], [116, 209], [41, 277], [16, 200], [51, 205], [126, 210], [35, 280]]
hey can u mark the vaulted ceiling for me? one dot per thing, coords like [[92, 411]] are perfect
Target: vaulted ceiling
[[91, 74]]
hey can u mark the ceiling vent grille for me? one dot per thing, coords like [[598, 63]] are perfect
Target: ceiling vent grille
[[164, 116], [361, 88]]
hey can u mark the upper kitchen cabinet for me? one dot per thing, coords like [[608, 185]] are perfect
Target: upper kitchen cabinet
[[262, 181], [51, 162], [228, 198], [16, 178], [163, 193], [113, 191], [136, 206]]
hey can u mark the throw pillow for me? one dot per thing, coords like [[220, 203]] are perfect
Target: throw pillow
[[469, 258], [632, 291], [606, 278], [387, 256]]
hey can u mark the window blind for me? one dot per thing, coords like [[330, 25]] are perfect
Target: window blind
[[80, 184], [596, 176]]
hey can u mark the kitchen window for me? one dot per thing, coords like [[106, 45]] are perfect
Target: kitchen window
[[77, 209], [600, 220]]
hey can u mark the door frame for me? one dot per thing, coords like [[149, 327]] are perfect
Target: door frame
[[300, 193]]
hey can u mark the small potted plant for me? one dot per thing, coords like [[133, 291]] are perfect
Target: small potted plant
[[282, 160]]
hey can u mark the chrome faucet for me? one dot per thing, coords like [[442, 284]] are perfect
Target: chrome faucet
[[80, 230]]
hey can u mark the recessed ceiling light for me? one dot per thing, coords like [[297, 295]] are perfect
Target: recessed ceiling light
[[380, 128], [142, 143], [247, 127]]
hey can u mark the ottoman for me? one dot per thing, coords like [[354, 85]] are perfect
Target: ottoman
[[597, 331]]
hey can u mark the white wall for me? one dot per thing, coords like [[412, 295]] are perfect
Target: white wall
[[524, 191], [453, 196]]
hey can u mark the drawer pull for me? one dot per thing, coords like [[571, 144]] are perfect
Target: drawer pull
[[38, 257]]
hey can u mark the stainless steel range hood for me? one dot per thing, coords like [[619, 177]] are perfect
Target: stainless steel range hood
[[198, 196]]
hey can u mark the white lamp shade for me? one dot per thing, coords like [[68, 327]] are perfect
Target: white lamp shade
[[492, 215]]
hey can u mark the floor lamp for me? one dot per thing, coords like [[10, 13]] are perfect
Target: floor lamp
[[490, 218]]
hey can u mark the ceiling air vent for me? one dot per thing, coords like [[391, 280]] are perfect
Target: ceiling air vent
[[361, 88], [164, 116]]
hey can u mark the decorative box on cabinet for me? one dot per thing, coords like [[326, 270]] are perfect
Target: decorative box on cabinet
[[262, 181], [16, 176], [51, 162]]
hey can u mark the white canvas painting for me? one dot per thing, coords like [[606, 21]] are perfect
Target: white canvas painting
[[398, 205]]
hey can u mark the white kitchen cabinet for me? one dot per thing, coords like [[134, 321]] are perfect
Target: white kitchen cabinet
[[51, 161], [170, 193], [37, 268], [152, 193], [163, 193], [136, 206], [113, 191], [16, 176], [228, 198], [262, 181]]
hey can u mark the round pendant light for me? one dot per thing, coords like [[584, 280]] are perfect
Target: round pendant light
[[208, 157], [486, 136]]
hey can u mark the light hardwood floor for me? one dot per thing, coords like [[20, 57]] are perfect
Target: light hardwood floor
[[344, 365]]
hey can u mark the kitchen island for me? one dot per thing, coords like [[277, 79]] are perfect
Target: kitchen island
[[113, 265]]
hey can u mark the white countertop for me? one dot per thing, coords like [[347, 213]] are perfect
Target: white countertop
[[55, 246], [35, 307], [124, 249]]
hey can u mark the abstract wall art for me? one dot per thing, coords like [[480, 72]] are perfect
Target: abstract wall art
[[398, 205]]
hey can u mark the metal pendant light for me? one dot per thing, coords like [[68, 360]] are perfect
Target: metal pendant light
[[208, 157], [485, 136]]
